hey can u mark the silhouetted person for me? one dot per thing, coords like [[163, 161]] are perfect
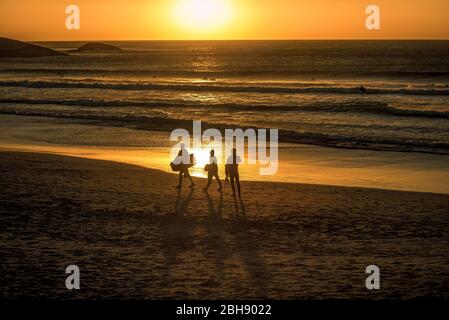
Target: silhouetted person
[[184, 160], [212, 171], [232, 170], [362, 89]]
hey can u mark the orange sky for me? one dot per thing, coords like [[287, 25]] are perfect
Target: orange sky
[[235, 19]]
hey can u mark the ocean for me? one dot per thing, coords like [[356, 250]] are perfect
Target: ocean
[[309, 90]]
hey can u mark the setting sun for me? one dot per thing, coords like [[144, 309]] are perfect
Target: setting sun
[[202, 15]]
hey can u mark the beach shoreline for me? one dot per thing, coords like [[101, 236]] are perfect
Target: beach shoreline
[[297, 163], [134, 236]]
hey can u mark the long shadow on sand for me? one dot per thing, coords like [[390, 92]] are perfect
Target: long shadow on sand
[[176, 234], [215, 239], [259, 276], [244, 245]]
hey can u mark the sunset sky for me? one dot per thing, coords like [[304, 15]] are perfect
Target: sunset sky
[[223, 19]]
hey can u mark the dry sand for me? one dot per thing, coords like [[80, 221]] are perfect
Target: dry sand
[[134, 236]]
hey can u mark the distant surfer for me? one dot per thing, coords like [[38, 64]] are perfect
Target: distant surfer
[[362, 89]]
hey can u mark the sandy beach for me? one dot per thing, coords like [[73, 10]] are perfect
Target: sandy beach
[[134, 236]]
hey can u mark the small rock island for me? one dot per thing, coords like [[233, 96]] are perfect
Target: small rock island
[[10, 48], [97, 47]]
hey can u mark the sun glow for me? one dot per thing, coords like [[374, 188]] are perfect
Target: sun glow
[[202, 15]]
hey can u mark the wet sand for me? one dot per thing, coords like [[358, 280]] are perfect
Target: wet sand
[[134, 236], [405, 171]]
